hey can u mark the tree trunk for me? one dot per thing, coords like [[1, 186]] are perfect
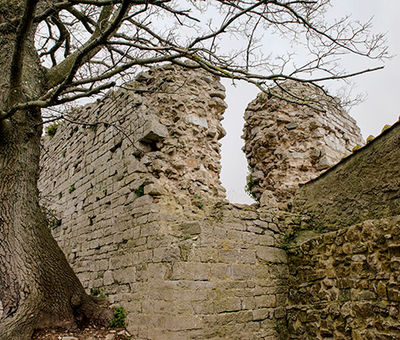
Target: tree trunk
[[38, 288]]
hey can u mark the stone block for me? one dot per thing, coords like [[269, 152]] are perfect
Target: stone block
[[229, 304], [125, 275], [156, 271], [154, 189], [205, 254], [108, 278], [248, 302], [190, 228], [221, 271], [266, 240], [176, 323], [152, 130], [265, 301], [229, 255], [196, 120], [262, 314], [242, 271], [143, 201], [271, 255], [247, 256], [167, 254]]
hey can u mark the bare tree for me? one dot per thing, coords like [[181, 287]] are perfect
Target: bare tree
[[55, 52]]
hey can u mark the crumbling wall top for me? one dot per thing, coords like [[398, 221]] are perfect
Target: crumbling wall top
[[287, 144]]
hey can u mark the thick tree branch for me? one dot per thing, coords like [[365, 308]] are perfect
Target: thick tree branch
[[23, 31], [58, 74], [63, 73], [85, 20], [55, 8]]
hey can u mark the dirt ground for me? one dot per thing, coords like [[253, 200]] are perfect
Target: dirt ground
[[89, 333]]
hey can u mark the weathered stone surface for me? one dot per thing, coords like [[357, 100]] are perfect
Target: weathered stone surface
[[330, 295], [287, 144], [364, 186], [144, 219], [152, 130], [271, 255], [196, 120]]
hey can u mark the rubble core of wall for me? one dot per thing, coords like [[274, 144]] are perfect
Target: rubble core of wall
[[288, 144], [345, 284], [363, 186], [137, 207]]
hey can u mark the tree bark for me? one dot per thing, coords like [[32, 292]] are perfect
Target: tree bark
[[38, 288]]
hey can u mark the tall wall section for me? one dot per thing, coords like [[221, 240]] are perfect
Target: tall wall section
[[139, 211], [288, 144], [344, 283]]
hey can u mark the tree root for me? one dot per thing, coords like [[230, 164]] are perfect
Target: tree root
[[85, 310], [93, 310]]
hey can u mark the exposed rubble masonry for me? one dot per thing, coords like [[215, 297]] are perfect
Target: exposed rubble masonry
[[288, 144]]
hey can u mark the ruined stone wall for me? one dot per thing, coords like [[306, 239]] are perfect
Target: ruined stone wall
[[138, 208], [363, 186], [135, 202], [345, 284], [288, 144]]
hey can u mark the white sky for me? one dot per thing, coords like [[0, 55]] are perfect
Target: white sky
[[382, 89]]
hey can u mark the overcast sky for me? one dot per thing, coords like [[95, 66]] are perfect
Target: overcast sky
[[381, 88]]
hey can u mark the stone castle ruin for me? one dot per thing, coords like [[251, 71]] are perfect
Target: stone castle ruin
[[138, 208], [287, 145]]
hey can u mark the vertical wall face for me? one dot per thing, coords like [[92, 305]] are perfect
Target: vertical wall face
[[364, 186], [287, 144], [156, 138], [345, 284], [139, 210]]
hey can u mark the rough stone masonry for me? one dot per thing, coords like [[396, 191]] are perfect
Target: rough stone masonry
[[135, 200], [287, 144]]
